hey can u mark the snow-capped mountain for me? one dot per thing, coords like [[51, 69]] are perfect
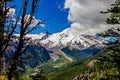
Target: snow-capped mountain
[[41, 36], [63, 38], [54, 43]]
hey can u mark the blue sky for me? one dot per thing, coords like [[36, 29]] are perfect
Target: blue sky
[[52, 13], [81, 16], [54, 18]]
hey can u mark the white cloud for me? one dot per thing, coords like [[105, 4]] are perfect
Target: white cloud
[[85, 15]]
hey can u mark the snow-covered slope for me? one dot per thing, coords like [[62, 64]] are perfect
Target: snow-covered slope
[[64, 38], [41, 36]]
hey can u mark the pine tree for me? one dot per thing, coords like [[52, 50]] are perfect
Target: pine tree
[[113, 48]]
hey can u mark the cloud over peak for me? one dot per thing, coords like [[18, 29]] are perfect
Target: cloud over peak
[[85, 15]]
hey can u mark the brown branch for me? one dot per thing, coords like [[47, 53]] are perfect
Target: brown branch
[[21, 41], [32, 29], [10, 34], [34, 4]]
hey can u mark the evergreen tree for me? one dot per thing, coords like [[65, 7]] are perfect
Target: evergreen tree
[[113, 56], [114, 19]]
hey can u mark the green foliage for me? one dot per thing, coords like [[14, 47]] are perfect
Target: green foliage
[[68, 72], [26, 77], [59, 62], [39, 77], [80, 54], [47, 69], [106, 68], [115, 13], [52, 66]]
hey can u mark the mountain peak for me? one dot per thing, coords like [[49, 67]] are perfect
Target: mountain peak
[[45, 32], [64, 38]]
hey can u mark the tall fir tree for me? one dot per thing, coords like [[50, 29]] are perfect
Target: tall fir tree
[[113, 47]]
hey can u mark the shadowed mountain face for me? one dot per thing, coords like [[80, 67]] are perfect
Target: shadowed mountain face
[[35, 54], [38, 56], [77, 54]]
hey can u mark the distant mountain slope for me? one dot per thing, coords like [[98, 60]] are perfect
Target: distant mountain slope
[[38, 56], [102, 66], [35, 54], [77, 54]]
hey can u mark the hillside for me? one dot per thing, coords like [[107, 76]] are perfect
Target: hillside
[[104, 65]]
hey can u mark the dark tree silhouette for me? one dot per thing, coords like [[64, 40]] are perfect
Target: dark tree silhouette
[[114, 47], [7, 29], [114, 19]]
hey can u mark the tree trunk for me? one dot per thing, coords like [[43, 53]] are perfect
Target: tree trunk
[[2, 20], [11, 70], [0, 64]]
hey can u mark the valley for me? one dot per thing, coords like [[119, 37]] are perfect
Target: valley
[[60, 40]]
